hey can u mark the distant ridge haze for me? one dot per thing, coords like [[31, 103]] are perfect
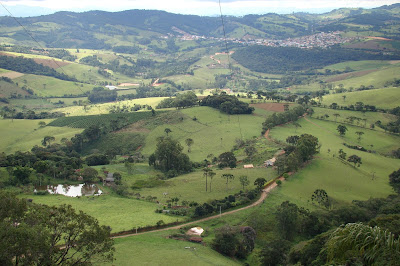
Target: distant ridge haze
[[29, 8]]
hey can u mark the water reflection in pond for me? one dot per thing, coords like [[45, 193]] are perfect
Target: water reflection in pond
[[72, 190]]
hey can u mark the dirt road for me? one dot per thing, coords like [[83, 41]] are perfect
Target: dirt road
[[264, 194]]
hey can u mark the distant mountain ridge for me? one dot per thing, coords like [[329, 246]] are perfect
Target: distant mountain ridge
[[72, 30]]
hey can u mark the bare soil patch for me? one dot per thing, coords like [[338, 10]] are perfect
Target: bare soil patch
[[275, 107], [137, 127], [350, 75], [11, 75], [51, 63]]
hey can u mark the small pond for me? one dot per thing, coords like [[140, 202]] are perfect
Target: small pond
[[72, 190]]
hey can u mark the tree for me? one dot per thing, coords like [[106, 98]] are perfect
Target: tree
[[89, 174], [244, 181], [336, 116], [118, 178], [274, 252], [292, 139], [259, 183], [372, 245], [189, 142], [228, 177], [168, 157], [287, 219], [167, 131], [307, 146], [359, 134], [47, 140], [34, 234], [341, 129], [227, 159], [21, 174], [342, 154], [394, 180], [321, 197], [211, 174], [354, 159], [42, 124], [206, 172]]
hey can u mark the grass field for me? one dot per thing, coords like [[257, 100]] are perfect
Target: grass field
[[329, 173], [49, 86], [382, 98], [371, 117], [360, 65], [119, 213], [190, 187], [22, 135], [104, 108], [157, 249], [212, 132]]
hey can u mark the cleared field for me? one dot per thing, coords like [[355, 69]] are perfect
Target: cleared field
[[341, 181], [89, 120], [104, 108], [360, 65], [376, 78], [212, 132], [22, 135], [371, 117], [119, 213], [48, 86], [157, 249], [382, 98]]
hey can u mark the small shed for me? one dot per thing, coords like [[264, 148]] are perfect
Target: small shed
[[248, 166], [111, 88]]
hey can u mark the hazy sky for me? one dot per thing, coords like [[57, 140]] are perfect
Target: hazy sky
[[197, 7]]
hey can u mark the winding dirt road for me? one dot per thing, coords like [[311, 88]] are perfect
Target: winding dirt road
[[264, 195]]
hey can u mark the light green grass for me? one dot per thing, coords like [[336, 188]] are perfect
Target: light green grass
[[104, 108], [22, 135], [371, 117], [382, 98], [157, 249], [49, 86], [360, 65], [213, 132], [376, 78], [341, 181], [119, 213]]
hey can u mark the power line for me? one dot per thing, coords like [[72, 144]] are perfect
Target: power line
[[226, 43]]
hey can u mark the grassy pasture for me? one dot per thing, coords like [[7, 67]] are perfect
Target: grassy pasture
[[341, 181], [360, 65], [191, 187], [104, 108], [213, 132], [49, 86], [382, 98], [89, 120], [157, 249], [119, 213], [371, 117], [376, 78], [22, 135]]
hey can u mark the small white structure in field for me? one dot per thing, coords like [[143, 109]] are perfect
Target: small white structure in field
[[195, 231], [248, 166], [111, 88]]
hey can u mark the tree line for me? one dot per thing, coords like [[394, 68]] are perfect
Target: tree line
[[227, 103], [29, 66]]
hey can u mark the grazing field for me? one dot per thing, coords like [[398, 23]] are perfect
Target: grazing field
[[274, 107], [360, 65], [157, 249], [49, 86], [370, 117], [329, 173], [22, 135], [212, 131], [382, 98], [377, 78], [89, 120], [104, 108], [117, 212]]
